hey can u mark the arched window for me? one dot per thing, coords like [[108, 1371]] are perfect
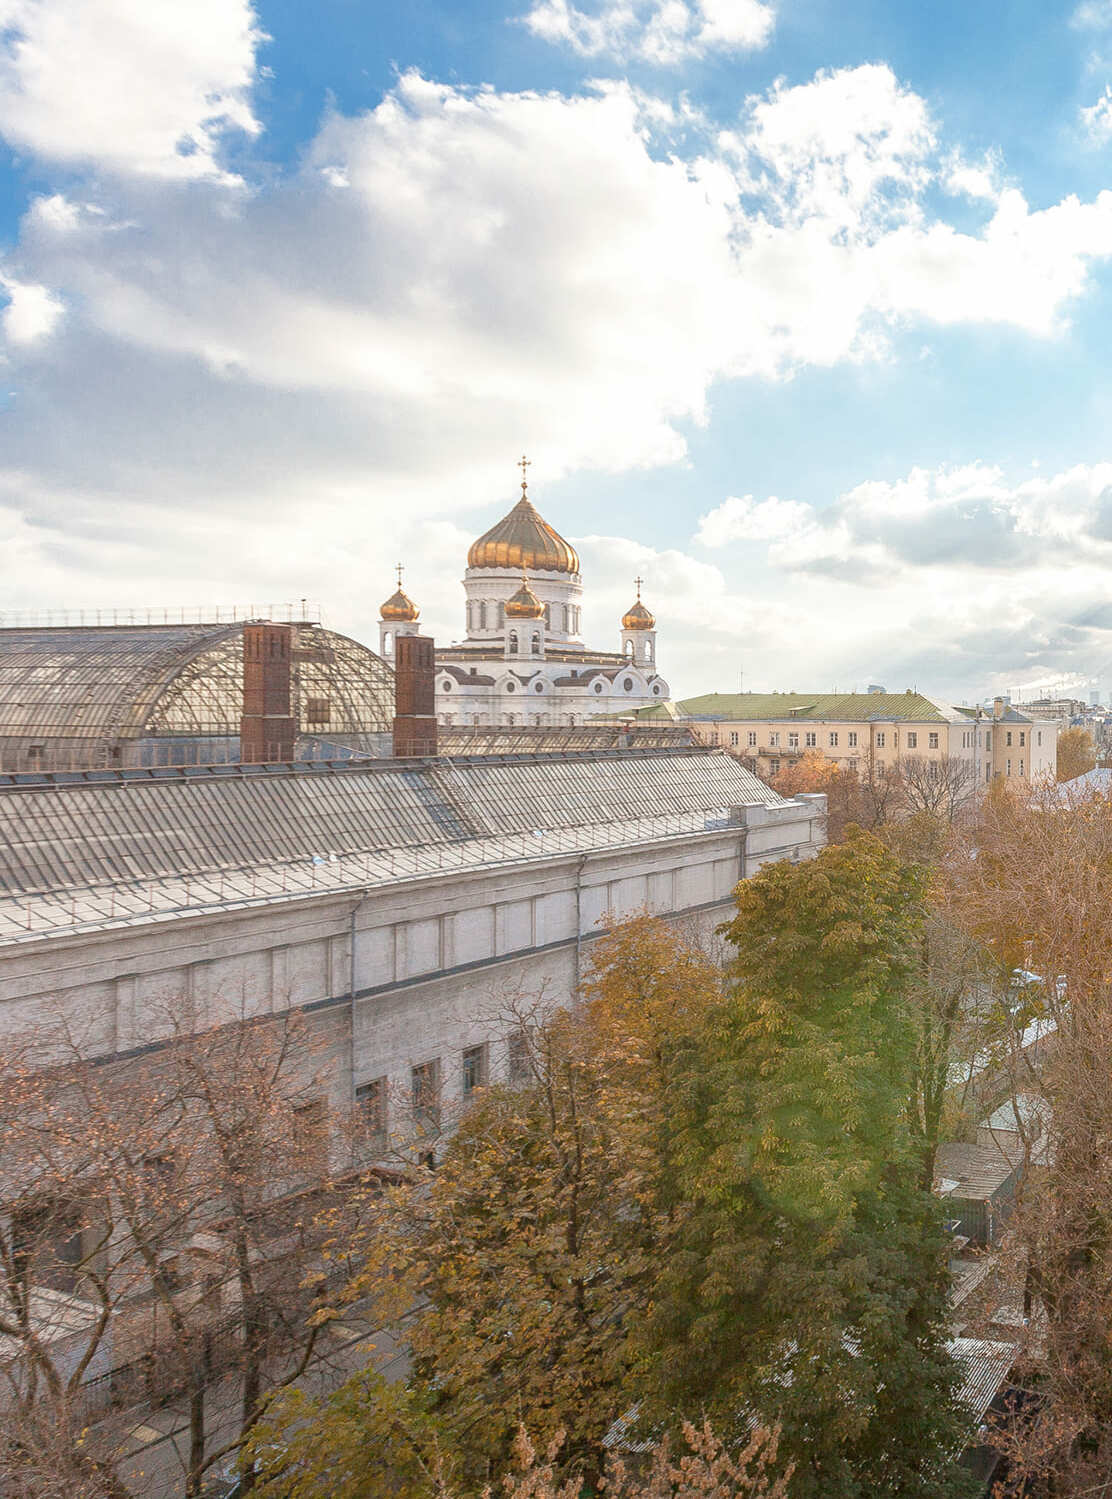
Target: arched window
[[648, 649], [629, 649], [536, 643], [548, 615], [501, 615], [482, 616], [513, 642], [388, 643]]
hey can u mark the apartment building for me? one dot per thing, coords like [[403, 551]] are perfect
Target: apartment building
[[870, 733]]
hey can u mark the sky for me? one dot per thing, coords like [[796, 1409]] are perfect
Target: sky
[[801, 310]]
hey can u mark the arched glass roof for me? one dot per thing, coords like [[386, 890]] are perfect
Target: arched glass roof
[[115, 683]]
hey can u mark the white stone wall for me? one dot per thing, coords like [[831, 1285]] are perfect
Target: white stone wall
[[434, 958]]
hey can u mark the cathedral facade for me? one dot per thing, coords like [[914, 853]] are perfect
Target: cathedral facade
[[522, 660]]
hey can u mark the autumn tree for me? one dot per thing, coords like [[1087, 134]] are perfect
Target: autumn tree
[[807, 1282], [529, 1254], [1036, 889], [813, 772], [161, 1196], [937, 785], [1076, 753]]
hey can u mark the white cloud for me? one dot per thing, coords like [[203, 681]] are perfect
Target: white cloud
[[32, 312], [1092, 15], [746, 519], [133, 86], [302, 375], [1096, 119], [660, 32]]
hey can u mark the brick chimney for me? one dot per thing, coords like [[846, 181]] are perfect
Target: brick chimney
[[267, 729], [414, 695]]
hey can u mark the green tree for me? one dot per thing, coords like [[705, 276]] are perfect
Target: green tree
[[807, 1285]]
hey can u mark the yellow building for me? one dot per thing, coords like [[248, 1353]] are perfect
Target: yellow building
[[871, 733]]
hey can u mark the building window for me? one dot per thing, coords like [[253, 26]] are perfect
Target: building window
[[474, 1069], [793, 741], [752, 739], [1022, 738], [598, 686], [834, 740], [482, 616], [370, 1105], [424, 1082], [774, 740], [310, 1136], [774, 767], [1008, 740], [1009, 767], [810, 740], [988, 771], [912, 740], [536, 644], [932, 741], [1021, 767], [511, 644], [1040, 738], [512, 686], [518, 1069], [538, 686], [880, 739], [627, 685], [851, 738], [733, 737]]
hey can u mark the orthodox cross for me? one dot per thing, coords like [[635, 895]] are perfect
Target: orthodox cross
[[638, 581], [523, 463], [399, 568]]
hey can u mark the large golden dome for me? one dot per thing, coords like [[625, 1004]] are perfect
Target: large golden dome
[[523, 539]]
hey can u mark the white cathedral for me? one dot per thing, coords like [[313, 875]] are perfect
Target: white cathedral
[[521, 661]]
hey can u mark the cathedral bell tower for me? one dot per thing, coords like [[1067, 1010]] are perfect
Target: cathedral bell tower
[[398, 616], [639, 634]]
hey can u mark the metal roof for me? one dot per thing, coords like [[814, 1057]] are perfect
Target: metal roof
[[822, 707], [76, 849]]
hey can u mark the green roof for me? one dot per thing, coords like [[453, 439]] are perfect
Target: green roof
[[844, 707]]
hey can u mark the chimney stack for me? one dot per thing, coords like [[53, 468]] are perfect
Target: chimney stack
[[414, 696], [267, 729]]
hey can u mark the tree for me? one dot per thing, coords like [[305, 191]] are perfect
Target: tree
[[937, 786], [1036, 887], [813, 772], [161, 1198], [799, 1188], [529, 1254], [1076, 753]]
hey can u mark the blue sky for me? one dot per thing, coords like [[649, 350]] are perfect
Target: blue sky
[[801, 310]]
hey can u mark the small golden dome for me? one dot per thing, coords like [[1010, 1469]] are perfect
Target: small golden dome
[[524, 604], [399, 608], [523, 539], [638, 617]]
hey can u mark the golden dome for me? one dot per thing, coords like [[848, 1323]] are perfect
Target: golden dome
[[399, 607], [524, 604], [523, 539], [638, 617]]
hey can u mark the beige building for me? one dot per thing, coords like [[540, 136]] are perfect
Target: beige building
[[871, 733]]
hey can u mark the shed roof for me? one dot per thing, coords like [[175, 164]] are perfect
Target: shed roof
[[974, 1172]]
